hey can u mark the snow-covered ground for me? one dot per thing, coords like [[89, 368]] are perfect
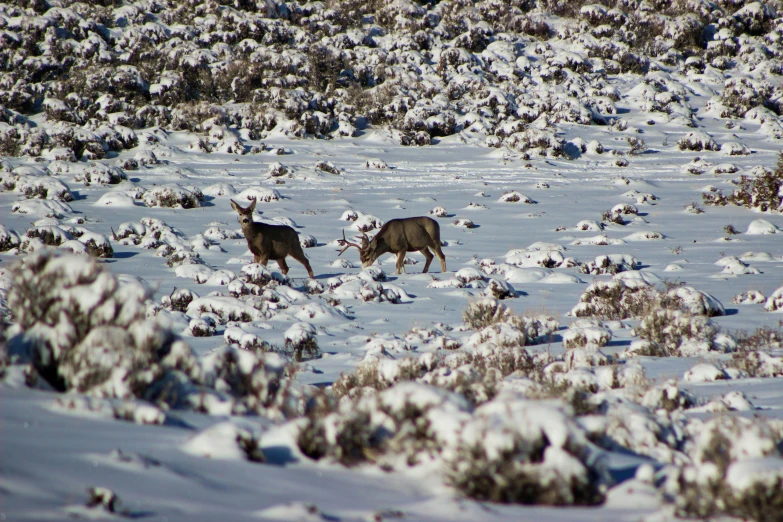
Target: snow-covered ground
[[370, 395]]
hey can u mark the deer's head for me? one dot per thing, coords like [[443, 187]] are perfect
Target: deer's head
[[245, 218], [367, 250]]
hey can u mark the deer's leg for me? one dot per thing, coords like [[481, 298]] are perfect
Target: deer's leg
[[439, 253], [428, 256], [299, 256], [283, 265], [400, 262]]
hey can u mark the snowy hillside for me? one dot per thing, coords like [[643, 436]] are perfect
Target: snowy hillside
[[604, 344]]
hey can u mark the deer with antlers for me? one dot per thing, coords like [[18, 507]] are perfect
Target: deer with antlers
[[270, 241], [399, 236]]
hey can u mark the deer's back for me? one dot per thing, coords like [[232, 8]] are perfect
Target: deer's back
[[411, 234], [277, 241]]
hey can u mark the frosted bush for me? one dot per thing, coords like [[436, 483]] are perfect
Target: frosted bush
[[172, 196], [692, 301], [254, 382], [668, 396], [260, 194], [515, 197], [97, 245], [696, 141], [775, 301], [627, 426], [379, 374], [675, 333], [499, 289], [85, 331], [202, 327], [307, 241], [101, 174], [415, 421], [301, 342], [749, 297], [225, 441], [586, 333], [610, 264], [8, 239], [762, 191], [616, 299], [485, 312], [528, 454], [225, 308], [736, 470]]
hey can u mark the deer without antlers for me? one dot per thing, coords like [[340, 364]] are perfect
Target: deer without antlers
[[270, 241], [399, 236]]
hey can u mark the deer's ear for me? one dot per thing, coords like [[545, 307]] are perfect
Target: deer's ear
[[252, 206], [235, 206]]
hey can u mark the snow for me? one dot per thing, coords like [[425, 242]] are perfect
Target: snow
[[504, 116]]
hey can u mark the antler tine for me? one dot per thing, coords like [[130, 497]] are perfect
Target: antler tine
[[347, 244]]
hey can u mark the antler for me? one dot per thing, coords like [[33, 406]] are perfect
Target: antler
[[347, 244]]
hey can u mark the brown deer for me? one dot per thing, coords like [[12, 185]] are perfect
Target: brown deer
[[399, 236], [270, 241]]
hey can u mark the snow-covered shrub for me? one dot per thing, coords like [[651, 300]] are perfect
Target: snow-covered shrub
[[97, 245], [616, 299], [749, 297], [498, 325], [668, 396], [763, 192], [736, 470], [172, 196], [405, 420], [86, 331], [696, 141], [775, 301], [102, 174], [183, 257], [8, 239], [485, 312], [255, 382], [691, 300], [741, 94], [202, 327], [379, 374], [514, 197], [327, 166], [610, 264], [528, 454], [439, 212], [301, 342], [585, 332], [751, 353], [225, 308], [277, 170], [499, 289], [675, 333], [104, 499], [307, 241]]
